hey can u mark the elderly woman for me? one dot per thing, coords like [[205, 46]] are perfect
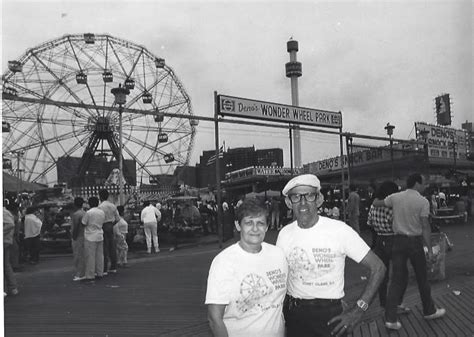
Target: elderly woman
[[247, 281]]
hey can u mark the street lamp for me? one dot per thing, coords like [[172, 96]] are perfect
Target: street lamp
[[18, 154], [349, 158], [389, 128], [120, 99], [454, 154]]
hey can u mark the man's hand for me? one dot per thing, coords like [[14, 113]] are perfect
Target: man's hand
[[347, 321]]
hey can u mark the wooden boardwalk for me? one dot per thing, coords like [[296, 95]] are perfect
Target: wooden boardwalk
[[163, 295], [459, 319]]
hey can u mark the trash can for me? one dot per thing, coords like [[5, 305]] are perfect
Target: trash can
[[437, 266]]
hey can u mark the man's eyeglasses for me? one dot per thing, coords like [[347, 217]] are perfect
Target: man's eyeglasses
[[309, 197]]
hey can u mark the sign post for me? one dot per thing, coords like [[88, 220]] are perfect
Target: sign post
[[220, 229]]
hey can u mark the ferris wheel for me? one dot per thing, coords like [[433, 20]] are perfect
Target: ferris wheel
[[58, 105]]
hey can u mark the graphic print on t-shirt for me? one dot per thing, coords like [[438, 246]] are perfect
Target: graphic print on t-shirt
[[302, 268], [254, 288]]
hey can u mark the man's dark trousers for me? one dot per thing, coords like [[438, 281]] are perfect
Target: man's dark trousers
[[110, 251], [408, 248], [311, 319], [383, 249]]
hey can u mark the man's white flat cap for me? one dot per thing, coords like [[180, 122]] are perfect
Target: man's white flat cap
[[302, 180]]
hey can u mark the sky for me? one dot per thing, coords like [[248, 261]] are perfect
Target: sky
[[377, 62]]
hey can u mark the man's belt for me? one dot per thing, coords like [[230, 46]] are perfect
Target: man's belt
[[321, 302]]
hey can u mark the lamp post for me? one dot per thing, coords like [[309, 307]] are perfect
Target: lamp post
[[454, 154], [120, 99], [349, 158], [18, 154], [389, 128]]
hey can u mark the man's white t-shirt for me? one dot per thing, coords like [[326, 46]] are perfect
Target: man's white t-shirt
[[316, 257], [150, 214], [94, 220], [253, 287]]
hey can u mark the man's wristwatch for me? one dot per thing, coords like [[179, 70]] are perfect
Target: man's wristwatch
[[363, 305]]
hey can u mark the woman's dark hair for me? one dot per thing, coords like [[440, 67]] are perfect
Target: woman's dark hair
[[387, 188], [146, 203], [251, 207], [120, 210]]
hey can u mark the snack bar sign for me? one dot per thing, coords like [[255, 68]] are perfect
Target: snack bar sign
[[248, 108]]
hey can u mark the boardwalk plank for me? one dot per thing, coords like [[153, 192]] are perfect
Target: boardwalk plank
[[457, 319], [419, 331], [407, 325], [364, 329], [374, 332]]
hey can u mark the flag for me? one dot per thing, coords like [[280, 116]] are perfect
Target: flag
[[212, 159]]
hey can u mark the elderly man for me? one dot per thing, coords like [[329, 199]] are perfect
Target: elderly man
[[412, 228], [150, 216], [111, 218], [315, 248]]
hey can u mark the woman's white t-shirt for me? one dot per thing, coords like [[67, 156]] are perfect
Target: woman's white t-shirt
[[253, 287]]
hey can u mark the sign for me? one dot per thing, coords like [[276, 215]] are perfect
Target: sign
[[261, 171], [443, 110], [357, 158], [443, 142], [248, 108]]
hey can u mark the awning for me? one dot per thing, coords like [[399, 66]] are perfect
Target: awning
[[12, 184]]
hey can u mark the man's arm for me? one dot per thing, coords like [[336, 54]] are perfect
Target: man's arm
[[379, 203], [157, 214], [215, 314], [350, 318], [426, 232], [75, 226]]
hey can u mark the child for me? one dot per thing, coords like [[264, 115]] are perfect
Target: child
[[120, 234]]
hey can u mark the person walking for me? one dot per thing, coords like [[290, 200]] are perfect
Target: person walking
[[316, 248], [111, 218], [412, 228], [150, 216], [380, 221], [275, 212], [33, 226], [353, 208], [120, 234], [93, 221], [78, 240], [10, 285], [247, 281]]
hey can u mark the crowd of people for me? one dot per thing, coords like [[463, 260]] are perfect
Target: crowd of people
[[98, 238], [296, 287]]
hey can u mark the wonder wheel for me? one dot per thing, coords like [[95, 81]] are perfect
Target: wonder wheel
[[63, 121]]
